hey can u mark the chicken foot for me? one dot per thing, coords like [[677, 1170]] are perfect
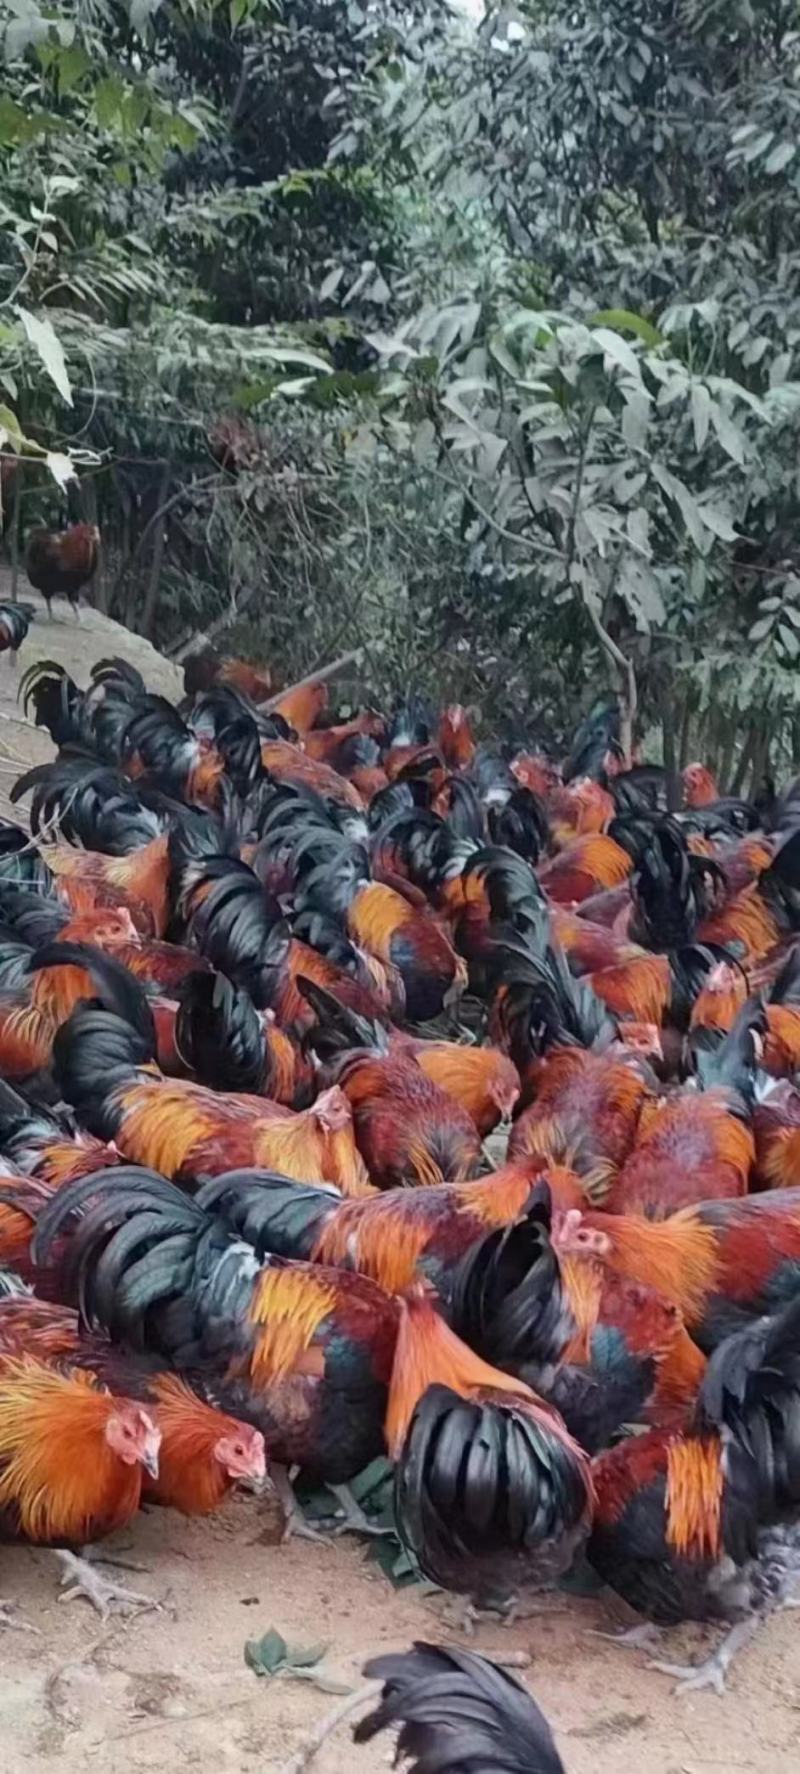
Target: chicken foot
[[631, 1638], [8, 1618], [80, 1577], [355, 1520], [295, 1525], [711, 1673]]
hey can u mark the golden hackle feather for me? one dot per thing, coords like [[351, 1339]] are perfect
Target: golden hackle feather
[[641, 988], [301, 1149], [422, 1168], [161, 1123], [26, 1040], [374, 917], [497, 1199], [582, 1282], [58, 1474], [385, 1243], [288, 1305], [694, 1497], [746, 919], [677, 1257]]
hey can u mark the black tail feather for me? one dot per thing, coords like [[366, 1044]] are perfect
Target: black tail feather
[[458, 1711]]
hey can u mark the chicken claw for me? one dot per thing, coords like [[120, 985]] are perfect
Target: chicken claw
[[355, 1521], [631, 1638], [712, 1671], [8, 1618], [80, 1577], [295, 1526]]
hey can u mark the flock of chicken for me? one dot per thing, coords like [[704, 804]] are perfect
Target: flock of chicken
[[267, 985]]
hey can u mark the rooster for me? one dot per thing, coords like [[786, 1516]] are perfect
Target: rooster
[[324, 1363], [457, 1710], [383, 922], [705, 1524], [586, 1112], [692, 1144], [407, 1130], [104, 1068], [225, 1042], [71, 1462], [43, 1145], [39, 991], [206, 667], [58, 564], [202, 1453], [510, 1522], [242, 933], [501, 1293], [723, 1263]]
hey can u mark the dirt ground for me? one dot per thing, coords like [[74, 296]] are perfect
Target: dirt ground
[[170, 1689]]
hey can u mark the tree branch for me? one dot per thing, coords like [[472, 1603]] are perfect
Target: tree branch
[[314, 677]]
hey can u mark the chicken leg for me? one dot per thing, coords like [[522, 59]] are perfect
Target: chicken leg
[[295, 1525], [80, 1577]]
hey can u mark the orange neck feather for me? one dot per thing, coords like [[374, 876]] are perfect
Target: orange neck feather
[[427, 1353], [694, 1497], [381, 1239], [678, 1257], [289, 1305], [190, 1478], [59, 1475]]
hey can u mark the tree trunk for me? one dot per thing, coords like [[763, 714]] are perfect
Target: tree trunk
[[760, 757], [157, 557], [686, 732], [98, 590], [668, 746], [13, 539], [745, 759], [726, 759]]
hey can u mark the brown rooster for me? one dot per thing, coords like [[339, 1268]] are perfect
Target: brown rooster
[[185, 1130], [71, 1461], [203, 1453], [59, 563]]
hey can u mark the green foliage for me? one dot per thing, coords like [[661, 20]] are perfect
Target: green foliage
[[621, 447], [502, 318]]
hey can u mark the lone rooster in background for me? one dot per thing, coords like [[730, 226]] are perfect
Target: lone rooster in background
[[58, 564]]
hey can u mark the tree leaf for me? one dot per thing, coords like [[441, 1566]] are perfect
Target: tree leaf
[[306, 1656], [266, 1655], [701, 412], [718, 521], [330, 284], [636, 414], [728, 433], [780, 157], [623, 321], [43, 338], [61, 468], [618, 350]]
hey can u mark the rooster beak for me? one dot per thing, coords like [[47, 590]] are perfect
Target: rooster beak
[[257, 1487], [150, 1461]]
